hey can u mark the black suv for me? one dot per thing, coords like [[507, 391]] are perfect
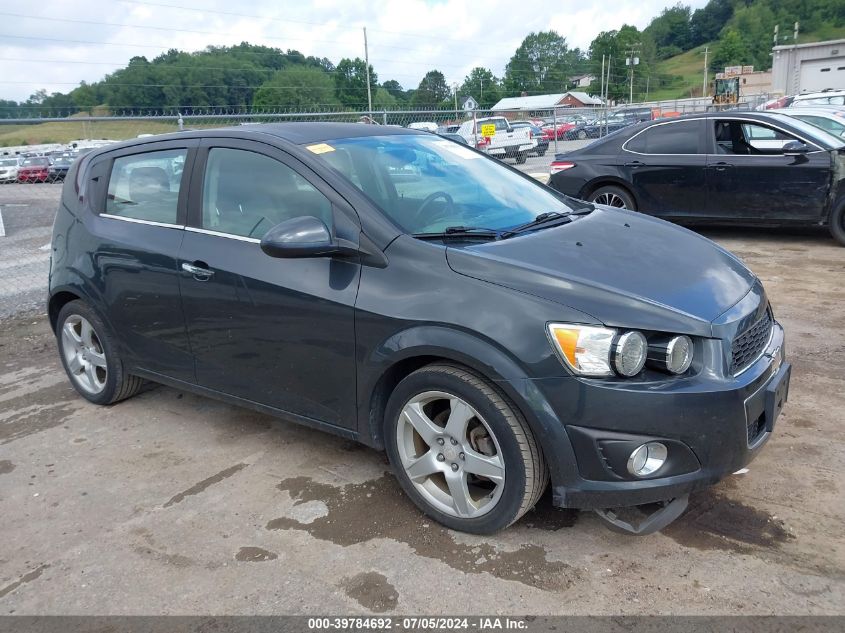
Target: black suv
[[406, 291]]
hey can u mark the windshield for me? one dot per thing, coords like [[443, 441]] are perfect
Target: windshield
[[36, 161], [815, 134], [9, 162], [426, 184]]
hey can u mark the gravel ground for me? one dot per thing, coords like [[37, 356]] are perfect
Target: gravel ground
[[170, 503]]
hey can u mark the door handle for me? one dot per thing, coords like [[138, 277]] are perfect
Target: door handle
[[722, 166], [198, 271], [634, 164]]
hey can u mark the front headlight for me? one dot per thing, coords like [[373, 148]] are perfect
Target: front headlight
[[595, 351]]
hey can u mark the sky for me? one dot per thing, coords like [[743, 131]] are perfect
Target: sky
[[55, 45]]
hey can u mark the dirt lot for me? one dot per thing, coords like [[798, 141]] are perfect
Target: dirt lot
[[171, 503]]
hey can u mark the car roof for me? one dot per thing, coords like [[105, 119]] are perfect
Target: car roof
[[821, 93], [830, 113], [297, 133]]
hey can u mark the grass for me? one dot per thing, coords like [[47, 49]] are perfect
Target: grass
[[78, 128], [686, 71]]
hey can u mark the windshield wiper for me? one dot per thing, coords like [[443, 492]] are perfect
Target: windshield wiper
[[462, 232], [550, 219]]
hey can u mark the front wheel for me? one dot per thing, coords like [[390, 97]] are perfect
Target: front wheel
[[90, 356], [581, 135], [461, 451], [611, 196], [837, 222]]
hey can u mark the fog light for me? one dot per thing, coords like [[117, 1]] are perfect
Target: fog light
[[647, 459]]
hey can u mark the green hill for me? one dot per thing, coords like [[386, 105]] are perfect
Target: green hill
[[681, 76]]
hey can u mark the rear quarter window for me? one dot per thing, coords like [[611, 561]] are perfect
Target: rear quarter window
[[146, 186]]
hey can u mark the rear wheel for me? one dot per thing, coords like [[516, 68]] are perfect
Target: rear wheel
[[521, 157], [90, 358], [581, 135], [837, 222], [462, 452], [612, 196]]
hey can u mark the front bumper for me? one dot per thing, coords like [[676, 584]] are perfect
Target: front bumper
[[713, 426]]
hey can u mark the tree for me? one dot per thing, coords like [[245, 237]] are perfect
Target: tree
[[395, 89], [671, 31], [350, 80], [616, 46], [707, 22], [432, 91], [730, 51], [541, 64], [384, 100], [299, 87], [482, 86]]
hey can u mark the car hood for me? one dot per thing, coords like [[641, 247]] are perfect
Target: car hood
[[623, 268]]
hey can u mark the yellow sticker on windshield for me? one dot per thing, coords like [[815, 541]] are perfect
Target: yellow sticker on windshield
[[320, 148], [488, 129]]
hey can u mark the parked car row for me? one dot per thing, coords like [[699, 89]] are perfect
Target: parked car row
[[51, 167], [732, 167]]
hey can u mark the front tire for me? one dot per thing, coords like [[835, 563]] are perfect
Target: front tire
[[461, 451], [613, 196], [90, 357], [837, 222]]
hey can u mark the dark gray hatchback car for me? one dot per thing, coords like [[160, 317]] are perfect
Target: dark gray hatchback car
[[406, 291]]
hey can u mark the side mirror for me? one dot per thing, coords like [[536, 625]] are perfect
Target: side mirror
[[795, 148], [305, 236]]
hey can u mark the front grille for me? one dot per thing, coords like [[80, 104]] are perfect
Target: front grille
[[748, 346]]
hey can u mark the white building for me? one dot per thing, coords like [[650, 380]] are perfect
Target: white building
[[808, 67]]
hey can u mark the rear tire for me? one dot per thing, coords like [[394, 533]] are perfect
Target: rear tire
[[90, 357], [521, 157], [446, 426], [837, 222], [613, 196]]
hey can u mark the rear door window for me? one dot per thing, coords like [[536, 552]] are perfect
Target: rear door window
[[682, 137], [146, 186]]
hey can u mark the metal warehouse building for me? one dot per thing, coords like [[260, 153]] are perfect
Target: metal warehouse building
[[808, 67]]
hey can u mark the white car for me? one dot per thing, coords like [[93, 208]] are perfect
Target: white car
[[426, 126], [505, 141], [823, 98], [831, 120], [9, 169]]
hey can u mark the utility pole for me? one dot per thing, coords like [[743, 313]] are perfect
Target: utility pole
[[704, 83], [795, 34], [367, 64], [632, 61], [455, 90], [601, 92], [481, 98]]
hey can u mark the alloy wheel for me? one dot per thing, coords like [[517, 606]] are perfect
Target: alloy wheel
[[84, 354], [610, 199], [450, 454]]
